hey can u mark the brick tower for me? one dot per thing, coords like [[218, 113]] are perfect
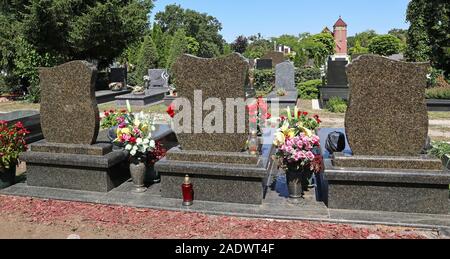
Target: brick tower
[[340, 37]]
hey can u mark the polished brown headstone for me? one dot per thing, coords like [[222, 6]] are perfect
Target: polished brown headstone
[[220, 78], [276, 57], [69, 112], [387, 113]]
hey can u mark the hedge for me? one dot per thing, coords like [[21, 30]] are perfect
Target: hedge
[[309, 89], [438, 93], [265, 79]]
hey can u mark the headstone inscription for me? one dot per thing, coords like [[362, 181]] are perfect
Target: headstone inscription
[[158, 77]]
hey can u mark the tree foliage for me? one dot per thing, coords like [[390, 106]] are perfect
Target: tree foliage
[[61, 30], [385, 45], [240, 44], [199, 26], [429, 32], [147, 59]]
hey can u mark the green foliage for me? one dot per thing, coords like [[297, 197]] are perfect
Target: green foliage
[[429, 32], [337, 105], [363, 38], [257, 47], [317, 47], [358, 49], [27, 61], [147, 59], [38, 32], [162, 42], [179, 46], [385, 45], [309, 89], [200, 26], [434, 76], [438, 93], [307, 74], [440, 149], [264, 80]]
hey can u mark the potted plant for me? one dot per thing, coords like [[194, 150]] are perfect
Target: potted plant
[[12, 140], [298, 150], [135, 134]]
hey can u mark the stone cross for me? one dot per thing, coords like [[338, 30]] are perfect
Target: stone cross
[[285, 76], [222, 79], [387, 113], [69, 112]]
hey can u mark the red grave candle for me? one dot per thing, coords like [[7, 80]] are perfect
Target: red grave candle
[[188, 191]]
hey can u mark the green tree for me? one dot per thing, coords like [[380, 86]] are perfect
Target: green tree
[[64, 30], [179, 46], [358, 49], [200, 26], [317, 47], [385, 45], [258, 46], [429, 32], [162, 42], [147, 59]]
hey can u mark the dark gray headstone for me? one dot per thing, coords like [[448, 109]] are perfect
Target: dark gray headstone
[[285, 76], [336, 75], [118, 75], [158, 77], [264, 64]]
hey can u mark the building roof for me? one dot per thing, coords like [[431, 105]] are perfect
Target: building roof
[[326, 30], [340, 23]]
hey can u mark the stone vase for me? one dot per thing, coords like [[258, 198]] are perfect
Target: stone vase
[[7, 176], [138, 171], [294, 181]]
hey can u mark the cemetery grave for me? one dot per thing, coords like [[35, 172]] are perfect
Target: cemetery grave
[[77, 162]]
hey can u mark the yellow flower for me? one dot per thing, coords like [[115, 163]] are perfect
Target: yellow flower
[[290, 133], [137, 122], [144, 127], [307, 132], [125, 131], [279, 139]]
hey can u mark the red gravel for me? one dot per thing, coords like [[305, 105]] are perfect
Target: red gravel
[[147, 223]]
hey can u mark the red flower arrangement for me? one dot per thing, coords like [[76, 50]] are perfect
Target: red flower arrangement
[[158, 153], [12, 143], [258, 113]]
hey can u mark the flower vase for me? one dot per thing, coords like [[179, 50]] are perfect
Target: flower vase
[[138, 170], [294, 183], [7, 176]]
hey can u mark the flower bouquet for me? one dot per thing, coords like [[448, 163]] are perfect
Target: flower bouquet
[[110, 120], [134, 133], [298, 150], [12, 144]]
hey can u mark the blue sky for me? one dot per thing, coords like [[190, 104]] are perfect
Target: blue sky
[[276, 17]]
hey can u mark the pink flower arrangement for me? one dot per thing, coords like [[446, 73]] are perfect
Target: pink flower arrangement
[[301, 151]]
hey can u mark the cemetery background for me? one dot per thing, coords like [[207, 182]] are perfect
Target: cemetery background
[[154, 53]]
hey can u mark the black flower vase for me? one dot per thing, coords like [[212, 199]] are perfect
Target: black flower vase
[[294, 182]]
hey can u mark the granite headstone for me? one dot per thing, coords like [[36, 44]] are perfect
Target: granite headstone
[[264, 64], [285, 75], [220, 78], [69, 112], [158, 78], [276, 57], [387, 114], [336, 75], [118, 75]]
